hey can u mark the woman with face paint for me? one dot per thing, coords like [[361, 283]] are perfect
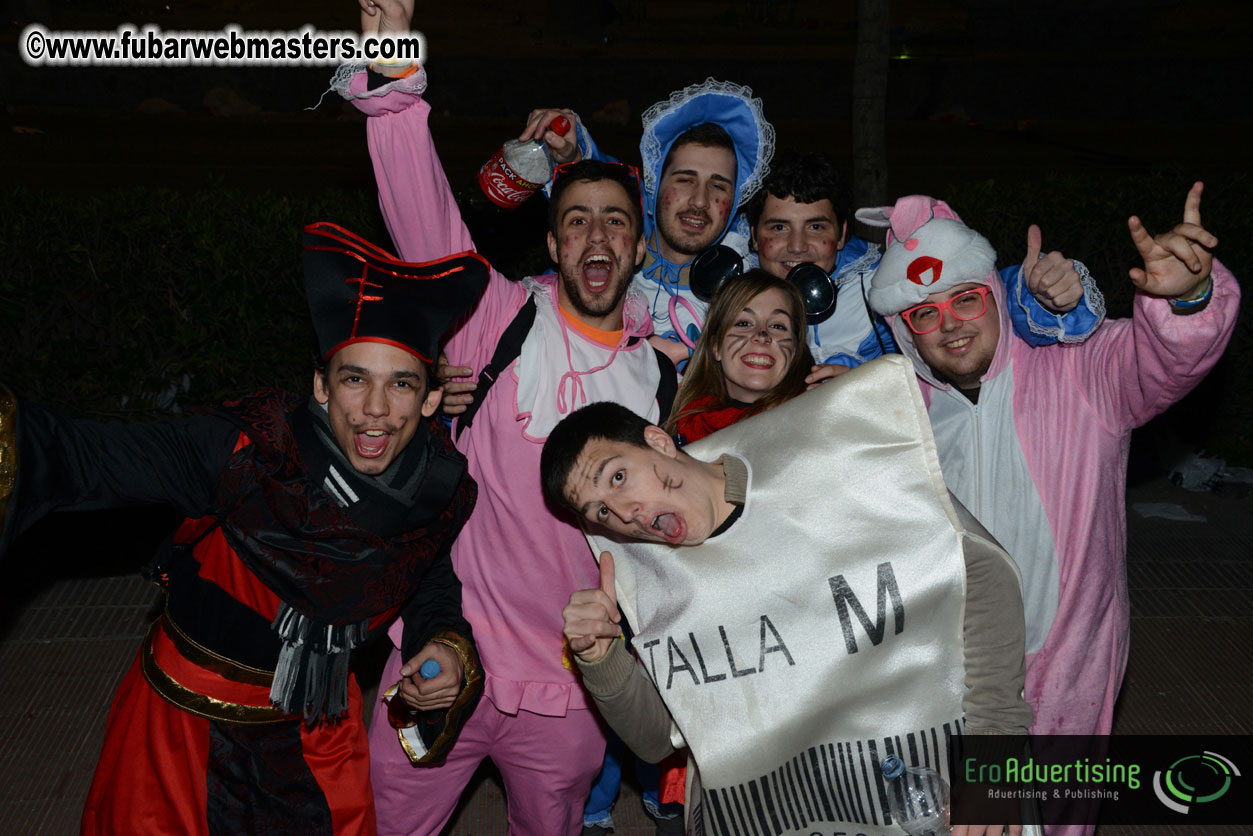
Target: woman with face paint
[[752, 356]]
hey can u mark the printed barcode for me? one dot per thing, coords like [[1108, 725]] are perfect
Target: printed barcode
[[831, 782]]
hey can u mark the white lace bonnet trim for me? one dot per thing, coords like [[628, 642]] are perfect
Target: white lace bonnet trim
[[650, 145]]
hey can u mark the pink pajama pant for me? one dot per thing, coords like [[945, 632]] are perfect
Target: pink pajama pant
[[547, 764]]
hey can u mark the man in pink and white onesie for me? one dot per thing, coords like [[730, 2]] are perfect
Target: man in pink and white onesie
[[518, 560], [1034, 441]]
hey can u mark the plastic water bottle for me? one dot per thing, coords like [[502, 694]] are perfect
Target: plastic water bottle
[[917, 797], [519, 169]]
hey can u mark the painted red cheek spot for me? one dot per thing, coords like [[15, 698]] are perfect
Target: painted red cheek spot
[[911, 244], [925, 270]]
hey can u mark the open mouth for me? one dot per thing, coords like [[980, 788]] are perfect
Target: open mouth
[[758, 361], [959, 344], [597, 270], [670, 526], [370, 444]]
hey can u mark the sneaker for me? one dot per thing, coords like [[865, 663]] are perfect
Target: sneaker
[[672, 826], [598, 829]]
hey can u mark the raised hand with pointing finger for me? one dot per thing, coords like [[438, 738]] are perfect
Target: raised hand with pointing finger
[[385, 17], [1177, 264], [1052, 278], [592, 620]]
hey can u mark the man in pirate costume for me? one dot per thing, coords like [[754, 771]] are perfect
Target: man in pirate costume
[[787, 643], [311, 523]]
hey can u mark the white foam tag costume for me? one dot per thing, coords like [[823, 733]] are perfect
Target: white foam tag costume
[[823, 630]]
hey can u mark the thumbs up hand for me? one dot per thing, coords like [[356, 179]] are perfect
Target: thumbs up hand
[[592, 618], [1051, 279]]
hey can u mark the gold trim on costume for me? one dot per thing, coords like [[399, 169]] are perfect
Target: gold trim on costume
[[203, 657], [199, 704], [405, 732], [410, 753], [470, 670], [8, 449], [473, 676]]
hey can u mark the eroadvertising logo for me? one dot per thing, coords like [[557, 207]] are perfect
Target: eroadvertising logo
[[1194, 779], [1080, 779]]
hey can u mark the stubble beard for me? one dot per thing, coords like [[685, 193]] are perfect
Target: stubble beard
[[674, 237], [971, 379], [602, 304]]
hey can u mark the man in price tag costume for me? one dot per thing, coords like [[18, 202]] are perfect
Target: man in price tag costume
[[1035, 441], [789, 643], [311, 523]]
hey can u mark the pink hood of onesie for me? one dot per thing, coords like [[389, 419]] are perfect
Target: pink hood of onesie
[[913, 234]]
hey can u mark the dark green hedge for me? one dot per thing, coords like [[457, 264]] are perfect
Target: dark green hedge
[[129, 302], [117, 304], [1086, 218]]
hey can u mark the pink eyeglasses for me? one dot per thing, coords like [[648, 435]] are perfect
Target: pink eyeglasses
[[925, 318]]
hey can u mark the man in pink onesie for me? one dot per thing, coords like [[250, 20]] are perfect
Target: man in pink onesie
[[518, 560], [1034, 441]]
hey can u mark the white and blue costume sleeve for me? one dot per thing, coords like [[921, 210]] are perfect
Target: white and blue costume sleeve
[[877, 343], [852, 335], [587, 145], [1036, 325], [1031, 321]]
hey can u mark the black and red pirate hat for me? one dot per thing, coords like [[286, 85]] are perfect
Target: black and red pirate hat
[[359, 292]]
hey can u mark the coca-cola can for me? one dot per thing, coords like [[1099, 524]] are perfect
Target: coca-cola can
[[502, 185]]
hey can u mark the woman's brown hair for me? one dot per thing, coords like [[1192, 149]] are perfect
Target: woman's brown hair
[[704, 374]]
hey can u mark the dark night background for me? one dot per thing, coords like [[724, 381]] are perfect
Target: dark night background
[[1066, 85], [149, 256], [149, 217]]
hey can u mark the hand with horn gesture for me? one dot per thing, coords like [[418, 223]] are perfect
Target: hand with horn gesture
[[1176, 263]]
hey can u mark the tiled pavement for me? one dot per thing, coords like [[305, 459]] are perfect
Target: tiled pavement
[[66, 638]]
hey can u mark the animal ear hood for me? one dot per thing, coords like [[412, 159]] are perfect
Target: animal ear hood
[[940, 254]]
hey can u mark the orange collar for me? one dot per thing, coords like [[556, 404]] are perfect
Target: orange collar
[[605, 338]]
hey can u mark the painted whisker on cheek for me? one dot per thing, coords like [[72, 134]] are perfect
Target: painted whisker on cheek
[[668, 482]]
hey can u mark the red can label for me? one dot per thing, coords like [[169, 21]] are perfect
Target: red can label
[[502, 185]]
